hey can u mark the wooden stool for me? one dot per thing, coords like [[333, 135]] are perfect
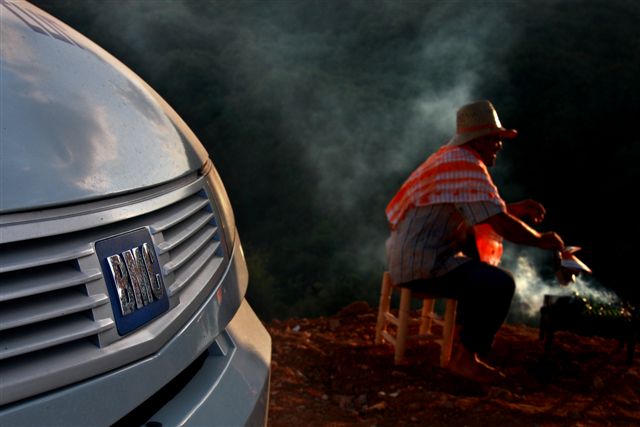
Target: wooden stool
[[426, 320]]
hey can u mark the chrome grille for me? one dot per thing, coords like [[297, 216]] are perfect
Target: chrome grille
[[43, 296], [190, 236], [53, 297]]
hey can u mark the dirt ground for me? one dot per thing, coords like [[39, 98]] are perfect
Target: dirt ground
[[328, 372]]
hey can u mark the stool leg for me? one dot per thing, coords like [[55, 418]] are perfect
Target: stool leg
[[383, 306], [449, 328], [403, 324], [426, 317]]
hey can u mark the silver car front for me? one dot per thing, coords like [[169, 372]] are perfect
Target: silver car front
[[122, 277]]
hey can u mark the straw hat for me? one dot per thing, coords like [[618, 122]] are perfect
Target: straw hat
[[478, 119]]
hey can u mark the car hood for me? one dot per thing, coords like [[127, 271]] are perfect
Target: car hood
[[76, 124]]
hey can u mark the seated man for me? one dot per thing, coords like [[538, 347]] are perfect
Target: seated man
[[447, 200]]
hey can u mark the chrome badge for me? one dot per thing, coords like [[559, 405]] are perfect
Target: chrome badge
[[132, 274], [136, 282]]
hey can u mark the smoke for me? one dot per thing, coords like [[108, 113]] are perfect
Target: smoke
[[534, 276], [348, 96], [364, 132], [360, 109]]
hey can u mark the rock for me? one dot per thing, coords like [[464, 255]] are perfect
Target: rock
[[354, 309], [574, 414], [344, 401], [415, 406], [378, 406], [360, 401], [598, 383], [300, 374], [348, 387], [500, 393]]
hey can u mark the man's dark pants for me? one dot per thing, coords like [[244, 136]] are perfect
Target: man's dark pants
[[484, 294]]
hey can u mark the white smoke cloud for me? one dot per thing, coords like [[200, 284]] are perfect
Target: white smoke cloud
[[360, 113], [532, 270], [364, 139]]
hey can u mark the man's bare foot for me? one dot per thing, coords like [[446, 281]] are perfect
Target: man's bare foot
[[467, 364]]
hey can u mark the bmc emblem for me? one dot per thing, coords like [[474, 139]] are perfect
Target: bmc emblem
[[136, 282], [133, 278]]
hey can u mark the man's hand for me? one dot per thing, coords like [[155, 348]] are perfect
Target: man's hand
[[527, 209], [551, 240]]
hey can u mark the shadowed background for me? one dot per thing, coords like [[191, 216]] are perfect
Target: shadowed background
[[315, 111]]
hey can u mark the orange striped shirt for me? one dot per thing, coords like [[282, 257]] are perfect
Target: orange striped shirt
[[450, 175]]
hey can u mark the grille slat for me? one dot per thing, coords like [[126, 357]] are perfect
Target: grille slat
[[185, 274], [192, 242], [39, 256], [35, 337], [188, 249], [44, 279], [179, 212], [45, 307], [184, 230]]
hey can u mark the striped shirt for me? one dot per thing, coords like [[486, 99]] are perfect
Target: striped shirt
[[432, 214], [450, 175], [428, 242]]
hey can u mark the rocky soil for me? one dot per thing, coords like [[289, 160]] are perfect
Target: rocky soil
[[328, 372]]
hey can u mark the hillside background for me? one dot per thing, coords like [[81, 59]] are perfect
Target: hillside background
[[315, 111]]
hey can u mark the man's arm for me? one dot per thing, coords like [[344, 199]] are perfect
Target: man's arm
[[516, 231], [528, 208]]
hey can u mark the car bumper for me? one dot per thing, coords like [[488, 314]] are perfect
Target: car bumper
[[232, 386]]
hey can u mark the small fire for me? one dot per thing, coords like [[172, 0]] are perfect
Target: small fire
[[531, 288], [603, 308]]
